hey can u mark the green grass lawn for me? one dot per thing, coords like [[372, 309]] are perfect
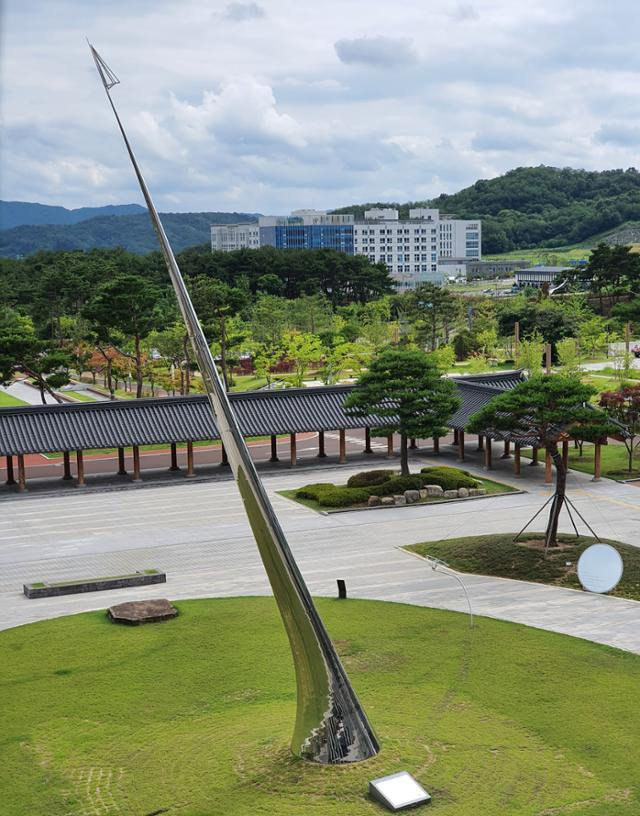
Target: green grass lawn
[[492, 488], [194, 716], [8, 400], [497, 554], [613, 460], [80, 396]]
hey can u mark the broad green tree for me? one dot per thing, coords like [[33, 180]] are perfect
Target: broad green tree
[[549, 408], [406, 389], [302, 349], [128, 305], [624, 405]]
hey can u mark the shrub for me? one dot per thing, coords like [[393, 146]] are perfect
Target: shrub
[[397, 485], [369, 477], [333, 496], [312, 491], [448, 478]]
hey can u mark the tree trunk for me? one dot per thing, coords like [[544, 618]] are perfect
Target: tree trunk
[[187, 364], [112, 392], [433, 333], [629, 446], [551, 534], [138, 367], [404, 455], [223, 354]]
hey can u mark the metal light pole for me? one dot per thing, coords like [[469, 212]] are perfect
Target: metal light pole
[[331, 726]]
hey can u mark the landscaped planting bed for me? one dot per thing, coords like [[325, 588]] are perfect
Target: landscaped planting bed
[[385, 488]]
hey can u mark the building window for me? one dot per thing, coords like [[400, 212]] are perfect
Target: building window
[[434, 268]]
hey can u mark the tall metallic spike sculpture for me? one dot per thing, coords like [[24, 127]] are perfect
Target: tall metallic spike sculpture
[[331, 726]]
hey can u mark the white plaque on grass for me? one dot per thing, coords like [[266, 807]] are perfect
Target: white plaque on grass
[[398, 791]]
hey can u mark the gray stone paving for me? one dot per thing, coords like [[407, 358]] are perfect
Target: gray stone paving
[[198, 533]]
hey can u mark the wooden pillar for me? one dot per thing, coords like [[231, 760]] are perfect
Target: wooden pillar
[[548, 468], [548, 358], [292, 444], [436, 445], [534, 456], [274, 448], [597, 462], [136, 464], [455, 436], [174, 457], [224, 459], [367, 440], [10, 479], [412, 443], [460, 446], [565, 453], [507, 449], [343, 446], [122, 470], [321, 453], [66, 462], [488, 458], [22, 477], [390, 446], [80, 466], [516, 459], [190, 468], [480, 443]]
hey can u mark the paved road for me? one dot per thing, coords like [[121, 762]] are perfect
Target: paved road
[[198, 533], [27, 393]]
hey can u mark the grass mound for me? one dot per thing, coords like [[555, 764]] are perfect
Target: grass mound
[[497, 554], [194, 716]]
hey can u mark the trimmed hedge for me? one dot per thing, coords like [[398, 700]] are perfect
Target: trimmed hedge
[[397, 485], [449, 478], [312, 491], [370, 477], [342, 496]]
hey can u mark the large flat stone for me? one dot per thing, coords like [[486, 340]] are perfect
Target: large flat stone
[[137, 612]]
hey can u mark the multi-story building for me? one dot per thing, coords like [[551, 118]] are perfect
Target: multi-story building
[[416, 250], [229, 237], [307, 229]]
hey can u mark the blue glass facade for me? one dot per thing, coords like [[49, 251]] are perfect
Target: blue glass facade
[[309, 236]]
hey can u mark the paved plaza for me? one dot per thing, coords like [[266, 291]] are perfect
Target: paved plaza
[[198, 533]]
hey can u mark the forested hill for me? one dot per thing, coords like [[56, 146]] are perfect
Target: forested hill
[[18, 213], [132, 232], [540, 206]]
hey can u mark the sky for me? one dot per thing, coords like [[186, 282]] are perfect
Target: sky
[[275, 105]]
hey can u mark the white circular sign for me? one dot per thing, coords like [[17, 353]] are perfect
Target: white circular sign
[[600, 568]]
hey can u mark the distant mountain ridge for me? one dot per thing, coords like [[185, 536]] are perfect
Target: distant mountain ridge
[[132, 232], [28, 213], [537, 207]]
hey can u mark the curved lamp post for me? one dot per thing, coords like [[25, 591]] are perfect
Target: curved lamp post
[[331, 726]]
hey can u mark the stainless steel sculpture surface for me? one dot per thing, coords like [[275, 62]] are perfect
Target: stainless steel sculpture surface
[[331, 726]]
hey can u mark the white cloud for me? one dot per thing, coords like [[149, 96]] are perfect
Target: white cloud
[[320, 105], [381, 52]]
